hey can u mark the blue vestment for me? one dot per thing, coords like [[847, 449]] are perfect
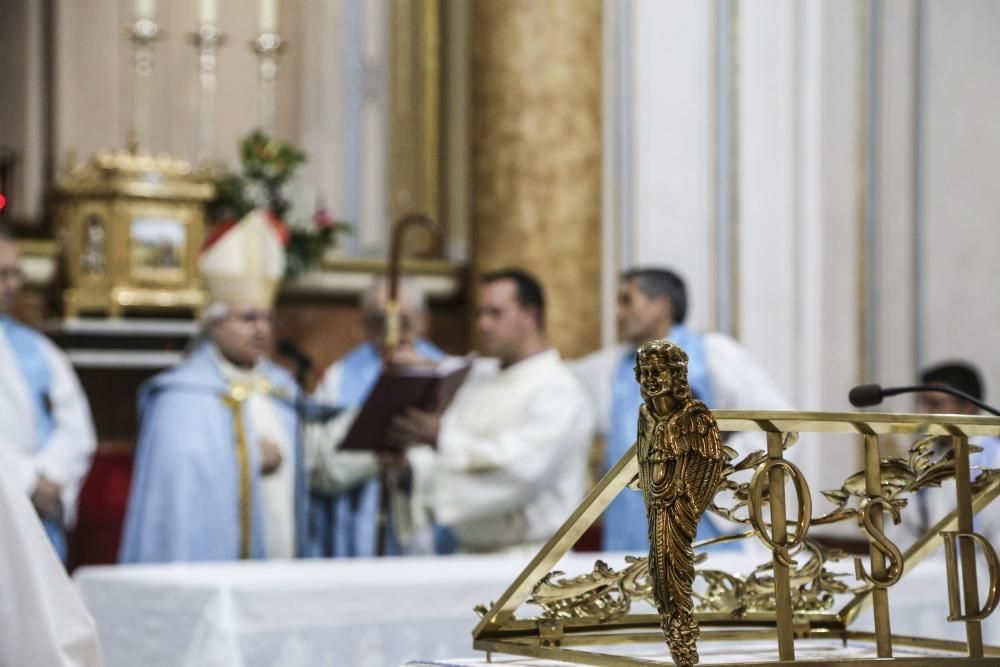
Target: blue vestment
[[185, 499], [27, 347], [346, 525], [624, 521]]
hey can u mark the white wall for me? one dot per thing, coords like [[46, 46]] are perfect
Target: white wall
[[855, 139], [960, 310], [672, 132]]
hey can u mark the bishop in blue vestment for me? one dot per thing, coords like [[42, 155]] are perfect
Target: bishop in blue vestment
[[187, 501], [219, 471]]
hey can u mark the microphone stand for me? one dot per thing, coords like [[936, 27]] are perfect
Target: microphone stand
[[915, 389], [882, 394]]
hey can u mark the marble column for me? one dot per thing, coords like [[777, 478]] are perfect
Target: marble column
[[536, 154]]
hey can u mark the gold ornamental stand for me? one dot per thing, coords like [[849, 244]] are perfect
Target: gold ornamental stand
[[790, 600], [132, 226]]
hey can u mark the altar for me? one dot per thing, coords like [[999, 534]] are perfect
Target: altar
[[375, 612], [358, 612]]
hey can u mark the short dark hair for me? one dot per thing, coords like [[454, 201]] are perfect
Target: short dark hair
[[656, 283], [959, 375], [530, 293]]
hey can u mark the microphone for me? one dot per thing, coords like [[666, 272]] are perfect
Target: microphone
[[867, 395]]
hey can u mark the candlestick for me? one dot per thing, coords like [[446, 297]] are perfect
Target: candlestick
[[267, 46], [142, 33], [208, 39]]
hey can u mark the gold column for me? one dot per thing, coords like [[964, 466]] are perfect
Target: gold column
[[536, 154]]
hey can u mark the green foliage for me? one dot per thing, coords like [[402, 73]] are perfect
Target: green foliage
[[231, 202], [268, 167], [306, 247]]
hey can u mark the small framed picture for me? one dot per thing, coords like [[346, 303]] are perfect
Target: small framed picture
[[158, 249]]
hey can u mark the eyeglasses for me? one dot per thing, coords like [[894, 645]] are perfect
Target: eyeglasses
[[250, 317]]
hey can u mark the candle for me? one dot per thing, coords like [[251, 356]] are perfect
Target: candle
[[208, 12], [144, 9], [267, 14]]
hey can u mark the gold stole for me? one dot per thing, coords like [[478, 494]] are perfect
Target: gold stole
[[237, 395]]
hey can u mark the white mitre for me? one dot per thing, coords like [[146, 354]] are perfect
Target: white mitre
[[244, 265]]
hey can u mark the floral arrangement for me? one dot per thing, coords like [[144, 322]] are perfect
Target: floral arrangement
[[267, 181]]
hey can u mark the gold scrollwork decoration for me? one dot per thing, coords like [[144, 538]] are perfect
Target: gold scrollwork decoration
[[758, 485], [603, 594]]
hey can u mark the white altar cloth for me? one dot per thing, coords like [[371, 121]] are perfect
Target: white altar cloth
[[362, 613], [351, 612], [709, 653]]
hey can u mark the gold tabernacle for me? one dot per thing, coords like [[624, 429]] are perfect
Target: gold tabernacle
[[804, 593], [132, 226]]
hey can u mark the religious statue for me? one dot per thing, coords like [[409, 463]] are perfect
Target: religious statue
[[681, 464]]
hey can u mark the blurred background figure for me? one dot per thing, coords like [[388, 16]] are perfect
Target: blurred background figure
[[48, 436], [653, 304], [345, 503], [218, 472], [506, 463], [932, 504], [44, 621]]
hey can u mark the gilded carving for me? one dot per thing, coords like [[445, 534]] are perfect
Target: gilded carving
[[681, 464]]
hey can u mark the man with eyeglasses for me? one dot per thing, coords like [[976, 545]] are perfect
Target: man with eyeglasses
[[345, 505], [48, 435], [218, 472]]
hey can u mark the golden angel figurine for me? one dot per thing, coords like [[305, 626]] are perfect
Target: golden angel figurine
[[681, 462]]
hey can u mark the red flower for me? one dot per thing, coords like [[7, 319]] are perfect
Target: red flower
[[322, 219]]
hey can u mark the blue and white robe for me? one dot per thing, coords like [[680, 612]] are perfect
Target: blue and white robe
[[45, 420], [721, 373], [185, 499]]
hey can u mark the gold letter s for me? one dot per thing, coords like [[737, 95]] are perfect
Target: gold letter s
[[876, 536]]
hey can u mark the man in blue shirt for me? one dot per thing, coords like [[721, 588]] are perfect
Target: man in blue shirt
[[653, 304]]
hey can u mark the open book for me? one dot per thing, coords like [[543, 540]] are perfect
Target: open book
[[428, 388]]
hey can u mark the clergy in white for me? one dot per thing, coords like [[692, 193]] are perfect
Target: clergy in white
[[652, 304], [507, 461], [48, 435], [219, 472], [44, 621]]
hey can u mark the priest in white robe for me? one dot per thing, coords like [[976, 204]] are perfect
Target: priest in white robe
[[48, 435], [506, 462], [43, 622], [652, 304], [219, 471]]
